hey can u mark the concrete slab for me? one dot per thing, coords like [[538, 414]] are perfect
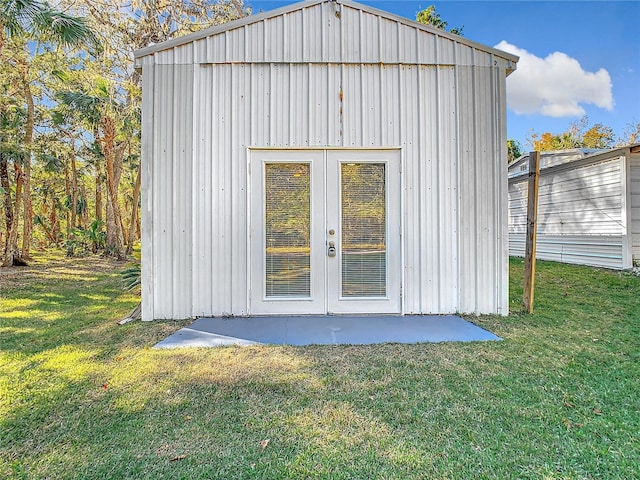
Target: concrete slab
[[326, 330]]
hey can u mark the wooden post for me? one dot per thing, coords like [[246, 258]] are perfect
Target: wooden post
[[532, 221]]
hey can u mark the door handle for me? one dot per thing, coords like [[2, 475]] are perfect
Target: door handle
[[331, 251]]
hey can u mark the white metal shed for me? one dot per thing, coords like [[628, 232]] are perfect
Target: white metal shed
[[325, 157], [588, 206]]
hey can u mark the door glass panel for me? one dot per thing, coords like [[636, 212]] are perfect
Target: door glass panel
[[363, 218], [287, 230]]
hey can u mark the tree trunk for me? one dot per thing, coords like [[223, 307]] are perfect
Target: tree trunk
[[11, 253], [67, 191], [114, 230], [74, 192], [134, 212], [55, 221], [99, 206], [8, 203], [47, 232], [85, 210], [27, 226]]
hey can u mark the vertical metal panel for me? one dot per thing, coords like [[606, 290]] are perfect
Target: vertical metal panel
[[408, 44], [446, 50], [351, 105], [448, 189], [200, 50], [311, 31], [260, 104], [369, 107], [333, 29], [350, 21], [464, 55], [256, 42], [485, 191], [274, 39], [281, 98], [500, 192], [334, 123], [236, 45], [294, 36], [634, 188], [241, 120], [412, 129], [165, 57], [427, 210], [298, 103], [203, 215], [216, 48], [182, 157], [320, 120], [388, 41], [147, 210], [369, 40], [469, 152], [225, 195], [162, 188], [390, 106], [427, 48]]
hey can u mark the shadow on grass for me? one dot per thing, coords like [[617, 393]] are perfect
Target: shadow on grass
[[557, 399]]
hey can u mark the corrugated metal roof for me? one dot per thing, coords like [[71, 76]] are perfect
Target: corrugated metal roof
[[236, 24], [554, 158]]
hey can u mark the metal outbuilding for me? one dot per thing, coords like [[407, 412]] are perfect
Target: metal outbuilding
[[325, 157], [588, 206]]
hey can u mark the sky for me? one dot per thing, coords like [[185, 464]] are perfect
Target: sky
[[576, 58]]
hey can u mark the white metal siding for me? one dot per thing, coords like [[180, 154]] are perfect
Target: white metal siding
[[634, 187], [483, 209], [597, 250], [580, 214], [448, 120], [167, 206], [332, 33]]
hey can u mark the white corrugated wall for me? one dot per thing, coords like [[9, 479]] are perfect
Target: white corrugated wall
[[581, 214], [215, 98], [634, 188]]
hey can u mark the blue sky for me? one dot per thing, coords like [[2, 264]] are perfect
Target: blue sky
[[580, 58]]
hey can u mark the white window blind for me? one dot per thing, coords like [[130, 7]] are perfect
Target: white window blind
[[287, 230], [363, 245]]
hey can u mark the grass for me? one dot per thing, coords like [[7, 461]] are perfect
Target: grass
[[83, 398]]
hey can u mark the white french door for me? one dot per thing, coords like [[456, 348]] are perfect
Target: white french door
[[325, 231]]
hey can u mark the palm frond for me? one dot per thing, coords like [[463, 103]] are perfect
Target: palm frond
[[131, 277]]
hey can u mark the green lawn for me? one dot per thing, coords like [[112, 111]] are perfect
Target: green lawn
[[83, 398]]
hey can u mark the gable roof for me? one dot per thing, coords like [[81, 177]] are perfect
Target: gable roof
[[510, 59]]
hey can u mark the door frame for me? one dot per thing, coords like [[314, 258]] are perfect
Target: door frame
[[321, 156]]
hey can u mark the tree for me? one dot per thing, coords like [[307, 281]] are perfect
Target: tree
[[105, 118], [514, 150], [20, 22], [98, 142], [429, 16], [578, 135], [630, 136], [599, 136]]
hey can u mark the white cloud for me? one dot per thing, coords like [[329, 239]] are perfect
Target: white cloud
[[554, 86]]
